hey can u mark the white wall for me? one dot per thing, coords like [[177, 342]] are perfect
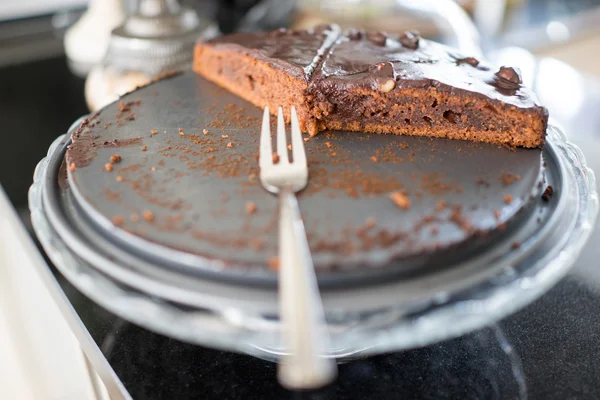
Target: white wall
[[11, 9]]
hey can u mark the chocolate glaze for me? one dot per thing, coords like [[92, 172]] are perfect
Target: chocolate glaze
[[296, 51], [326, 57]]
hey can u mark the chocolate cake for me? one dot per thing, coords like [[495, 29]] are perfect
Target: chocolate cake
[[374, 82]]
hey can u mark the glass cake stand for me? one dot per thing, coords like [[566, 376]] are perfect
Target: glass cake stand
[[397, 314]]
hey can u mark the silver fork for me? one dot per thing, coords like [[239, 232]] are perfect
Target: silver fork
[[304, 330]]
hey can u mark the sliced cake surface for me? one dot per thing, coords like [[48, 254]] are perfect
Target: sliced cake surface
[[375, 82]]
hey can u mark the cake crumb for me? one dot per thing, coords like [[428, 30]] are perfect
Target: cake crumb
[[153, 132], [181, 133], [119, 178], [118, 220], [459, 219], [257, 244], [508, 198], [230, 145], [289, 146], [306, 139], [115, 158], [374, 159], [547, 195], [328, 144], [274, 263], [401, 200], [144, 148], [204, 131], [251, 207], [108, 167], [440, 205], [508, 179], [483, 182], [224, 136], [148, 215], [275, 158], [153, 169], [352, 192], [123, 106], [72, 167]]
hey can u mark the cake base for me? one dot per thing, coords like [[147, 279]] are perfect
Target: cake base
[[180, 192]]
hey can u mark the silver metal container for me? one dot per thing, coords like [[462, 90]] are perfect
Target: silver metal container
[[158, 37]]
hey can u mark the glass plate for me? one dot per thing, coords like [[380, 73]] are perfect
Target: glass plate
[[363, 320]]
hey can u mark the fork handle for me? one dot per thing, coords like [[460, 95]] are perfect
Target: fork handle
[[304, 329]]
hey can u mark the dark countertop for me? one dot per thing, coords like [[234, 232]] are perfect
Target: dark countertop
[[38, 102], [549, 350]]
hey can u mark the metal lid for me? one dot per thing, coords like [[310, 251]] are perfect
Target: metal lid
[[159, 36]]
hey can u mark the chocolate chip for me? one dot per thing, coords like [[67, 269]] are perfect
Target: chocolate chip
[[509, 74], [378, 38], [355, 34], [473, 62], [410, 40], [547, 195]]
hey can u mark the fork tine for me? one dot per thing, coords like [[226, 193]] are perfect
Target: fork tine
[[297, 141], [266, 152], [282, 150]]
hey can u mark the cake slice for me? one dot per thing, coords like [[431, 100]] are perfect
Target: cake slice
[[374, 82]]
